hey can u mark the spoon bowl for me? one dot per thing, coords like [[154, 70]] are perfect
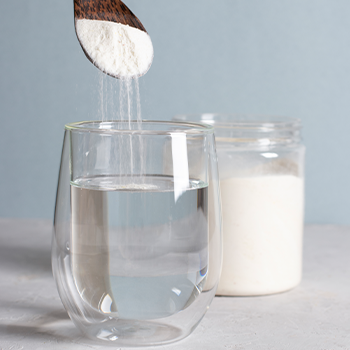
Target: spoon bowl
[[110, 13]]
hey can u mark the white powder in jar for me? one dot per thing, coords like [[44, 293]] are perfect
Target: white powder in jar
[[116, 49], [262, 234]]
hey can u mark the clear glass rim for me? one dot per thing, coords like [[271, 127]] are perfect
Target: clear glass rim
[[262, 122], [164, 127]]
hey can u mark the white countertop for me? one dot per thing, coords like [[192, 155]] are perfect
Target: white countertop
[[315, 315]]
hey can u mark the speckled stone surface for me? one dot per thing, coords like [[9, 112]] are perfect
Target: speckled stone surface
[[315, 315]]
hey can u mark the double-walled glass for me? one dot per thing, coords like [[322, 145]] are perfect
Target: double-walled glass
[[135, 257], [261, 165]]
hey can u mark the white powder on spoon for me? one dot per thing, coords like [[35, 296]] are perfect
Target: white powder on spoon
[[116, 49]]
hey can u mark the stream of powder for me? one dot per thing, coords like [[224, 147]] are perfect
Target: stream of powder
[[120, 100]]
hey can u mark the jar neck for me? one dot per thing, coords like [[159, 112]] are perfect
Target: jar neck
[[244, 131]]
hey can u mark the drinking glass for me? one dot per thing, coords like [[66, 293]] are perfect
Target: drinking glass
[[135, 257]]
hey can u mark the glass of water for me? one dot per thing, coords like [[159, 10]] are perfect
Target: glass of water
[[136, 248]]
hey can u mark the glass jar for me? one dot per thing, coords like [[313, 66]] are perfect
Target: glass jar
[[261, 170]]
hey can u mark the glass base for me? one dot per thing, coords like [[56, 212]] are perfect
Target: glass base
[[134, 333]]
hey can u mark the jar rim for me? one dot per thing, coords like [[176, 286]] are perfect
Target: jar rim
[[144, 127], [257, 122], [248, 130]]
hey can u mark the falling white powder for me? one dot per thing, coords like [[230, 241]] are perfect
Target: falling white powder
[[116, 49]]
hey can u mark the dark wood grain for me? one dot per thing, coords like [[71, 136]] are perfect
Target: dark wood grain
[[106, 10]]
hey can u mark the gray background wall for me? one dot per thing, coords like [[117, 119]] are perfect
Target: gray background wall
[[284, 57]]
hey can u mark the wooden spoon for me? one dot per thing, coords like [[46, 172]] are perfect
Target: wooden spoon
[[105, 10]]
